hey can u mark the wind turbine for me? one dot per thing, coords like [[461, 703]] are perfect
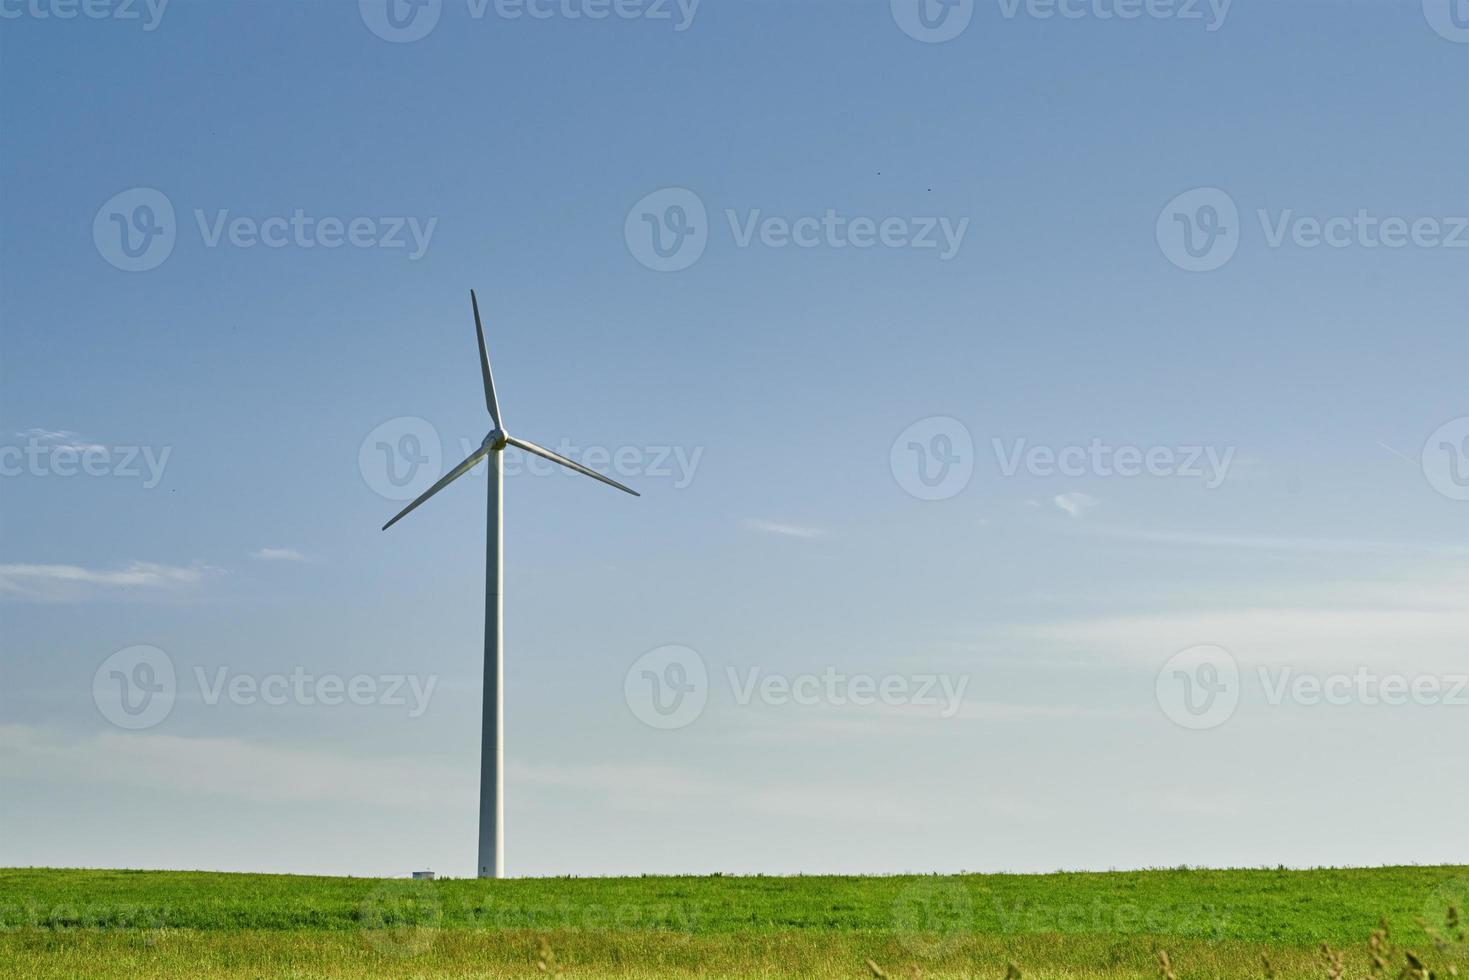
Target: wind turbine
[[492, 737]]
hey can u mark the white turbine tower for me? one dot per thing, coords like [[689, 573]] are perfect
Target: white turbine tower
[[492, 741]]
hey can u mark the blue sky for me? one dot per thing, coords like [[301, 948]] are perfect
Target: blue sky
[[767, 397]]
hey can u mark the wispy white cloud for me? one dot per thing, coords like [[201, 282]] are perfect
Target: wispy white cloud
[[1075, 503], [74, 581], [256, 771], [1277, 635], [1421, 625], [628, 786], [277, 554], [1270, 542], [60, 439], [662, 789], [231, 768], [785, 530], [916, 721]]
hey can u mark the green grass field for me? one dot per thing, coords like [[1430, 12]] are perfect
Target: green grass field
[[1257, 923]]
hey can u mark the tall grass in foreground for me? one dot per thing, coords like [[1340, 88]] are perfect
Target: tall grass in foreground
[[1262, 925], [330, 955]]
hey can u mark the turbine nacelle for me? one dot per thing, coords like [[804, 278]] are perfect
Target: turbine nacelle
[[497, 440]]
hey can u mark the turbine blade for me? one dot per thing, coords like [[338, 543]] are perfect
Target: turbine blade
[[484, 365], [447, 479], [531, 447]]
